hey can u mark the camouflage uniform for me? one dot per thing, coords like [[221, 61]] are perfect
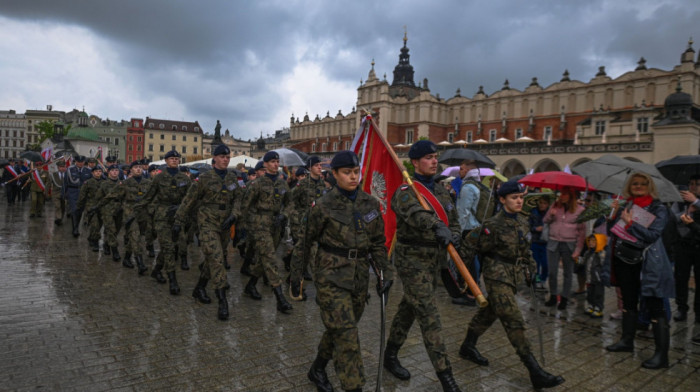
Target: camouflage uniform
[[264, 201], [304, 194], [216, 199], [417, 257], [504, 246], [165, 195], [86, 202], [38, 194], [131, 192], [341, 226], [111, 211]]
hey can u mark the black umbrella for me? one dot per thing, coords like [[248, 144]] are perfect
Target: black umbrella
[[456, 156], [680, 168], [31, 156], [4, 162]]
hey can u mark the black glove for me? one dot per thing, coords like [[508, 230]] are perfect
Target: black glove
[[176, 232], [280, 220], [456, 240], [385, 288], [228, 223], [442, 233]]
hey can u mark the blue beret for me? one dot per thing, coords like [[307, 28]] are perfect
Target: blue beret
[[421, 148], [300, 171], [152, 168], [80, 158], [111, 159], [184, 169], [509, 187], [221, 149], [135, 163], [112, 167], [314, 159], [251, 172], [345, 158], [97, 168], [270, 155], [259, 165], [172, 153]]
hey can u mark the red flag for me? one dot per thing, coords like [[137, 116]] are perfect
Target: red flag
[[68, 161], [46, 153], [380, 175], [38, 181]]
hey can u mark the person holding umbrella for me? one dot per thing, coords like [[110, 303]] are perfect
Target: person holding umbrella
[[685, 248], [641, 267]]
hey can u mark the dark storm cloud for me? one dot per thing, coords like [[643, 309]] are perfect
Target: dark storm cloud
[[226, 59]]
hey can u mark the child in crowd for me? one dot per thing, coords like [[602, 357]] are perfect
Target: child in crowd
[[595, 261]]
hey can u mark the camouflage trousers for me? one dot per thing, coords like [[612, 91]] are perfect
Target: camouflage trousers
[[503, 306], [59, 205], [112, 221], [185, 239], [132, 238], [418, 268], [341, 311], [94, 223], [168, 255], [265, 238], [145, 225], [213, 242], [37, 206], [300, 262]]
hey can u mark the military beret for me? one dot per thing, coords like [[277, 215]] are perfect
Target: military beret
[[421, 148], [300, 172], [270, 155], [59, 163], [221, 149], [171, 154], [152, 168], [509, 187], [345, 158], [111, 159], [184, 169], [112, 167], [135, 163], [251, 172], [80, 158], [144, 161], [259, 165], [314, 159], [92, 160], [97, 168]]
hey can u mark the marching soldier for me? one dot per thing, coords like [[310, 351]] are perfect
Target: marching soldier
[[188, 231], [40, 190], [422, 236], [75, 177], [348, 226], [89, 202], [111, 211], [265, 199], [246, 217], [304, 194], [56, 184], [165, 195], [504, 243], [215, 195]]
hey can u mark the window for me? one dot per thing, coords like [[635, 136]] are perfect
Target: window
[[150, 157], [131, 138], [150, 147], [469, 136], [162, 148], [599, 127], [174, 127], [184, 128], [313, 147], [150, 125], [138, 147], [409, 136], [173, 148], [347, 145], [194, 150], [161, 126], [184, 138], [323, 147], [451, 137], [150, 135], [547, 134], [643, 125], [162, 136], [492, 135], [174, 137], [131, 147], [116, 141], [335, 146], [138, 139], [109, 139], [518, 133], [195, 138], [196, 129], [184, 149]]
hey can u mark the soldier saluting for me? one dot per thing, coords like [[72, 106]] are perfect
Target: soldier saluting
[[504, 244]]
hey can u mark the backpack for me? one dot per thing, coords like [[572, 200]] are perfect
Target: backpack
[[487, 201]]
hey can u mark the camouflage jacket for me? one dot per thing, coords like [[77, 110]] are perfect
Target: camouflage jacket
[[108, 206], [89, 194], [503, 244], [414, 224], [130, 192], [304, 193], [215, 197], [336, 222], [265, 197], [166, 193]]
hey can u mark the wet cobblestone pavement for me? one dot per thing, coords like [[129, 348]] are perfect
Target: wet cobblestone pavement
[[71, 319]]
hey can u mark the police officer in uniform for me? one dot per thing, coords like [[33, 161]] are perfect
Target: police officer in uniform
[[165, 194], [421, 239], [348, 226], [503, 241], [217, 195], [75, 177]]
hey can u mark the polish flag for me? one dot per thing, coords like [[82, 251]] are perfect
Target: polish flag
[[47, 153]]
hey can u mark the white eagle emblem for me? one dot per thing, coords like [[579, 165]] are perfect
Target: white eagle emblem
[[378, 189]]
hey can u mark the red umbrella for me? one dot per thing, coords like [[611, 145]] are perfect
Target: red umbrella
[[556, 180]]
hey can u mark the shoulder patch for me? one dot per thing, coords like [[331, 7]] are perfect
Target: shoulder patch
[[232, 186], [313, 204], [369, 217], [487, 231]]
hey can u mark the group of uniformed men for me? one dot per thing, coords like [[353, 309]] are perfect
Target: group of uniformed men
[[337, 231]]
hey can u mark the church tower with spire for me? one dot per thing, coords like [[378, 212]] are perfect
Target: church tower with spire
[[403, 84]]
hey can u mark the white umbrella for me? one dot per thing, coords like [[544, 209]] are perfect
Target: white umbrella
[[524, 139], [502, 140], [460, 142], [246, 160], [444, 143], [480, 141], [289, 157]]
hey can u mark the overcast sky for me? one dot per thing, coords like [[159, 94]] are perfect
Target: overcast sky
[[251, 64]]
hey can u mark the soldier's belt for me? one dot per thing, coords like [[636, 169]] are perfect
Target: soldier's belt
[[351, 254], [423, 244]]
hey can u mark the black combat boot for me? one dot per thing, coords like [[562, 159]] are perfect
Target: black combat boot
[[392, 364], [626, 342], [223, 304], [317, 375], [282, 304], [538, 377], [105, 249], [127, 260], [469, 351], [226, 264], [183, 263], [174, 288], [199, 293], [251, 290], [57, 222], [94, 245], [115, 254], [157, 274], [297, 291], [661, 342], [139, 263], [552, 301], [75, 220], [151, 250], [287, 261], [245, 268], [563, 301], [448, 382]]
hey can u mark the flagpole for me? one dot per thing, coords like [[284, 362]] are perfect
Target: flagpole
[[31, 171], [480, 299]]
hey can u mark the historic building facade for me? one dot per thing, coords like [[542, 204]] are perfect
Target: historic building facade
[[36, 117], [540, 128], [161, 136], [237, 146], [13, 127], [134, 140]]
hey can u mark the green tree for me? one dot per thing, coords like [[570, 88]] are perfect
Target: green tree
[[45, 130]]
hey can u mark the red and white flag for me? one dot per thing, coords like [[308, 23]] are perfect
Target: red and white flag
[[380, 174], [38, 181], [47, 153]]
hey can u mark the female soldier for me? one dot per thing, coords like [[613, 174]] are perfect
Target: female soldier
[[504, 245], [348, 226]]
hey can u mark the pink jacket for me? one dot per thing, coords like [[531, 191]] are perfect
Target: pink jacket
[[563, 226]]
